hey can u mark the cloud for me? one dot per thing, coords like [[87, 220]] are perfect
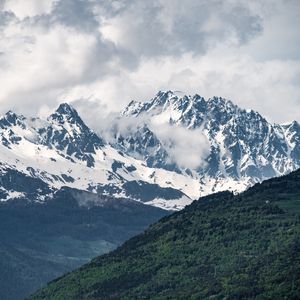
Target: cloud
[[106, 53], [38, 63], [187, 148], [260, 85], [165, 27], [280, 38], [30, 8], [77, 14]]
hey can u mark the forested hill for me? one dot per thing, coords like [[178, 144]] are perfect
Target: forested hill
[[220, 247]]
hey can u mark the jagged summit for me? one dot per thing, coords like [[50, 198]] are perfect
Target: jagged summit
[[223, 103], [66, 109], [162, 101], [11, 115], [63, 130], [66, 113], [244, 146], [73, 134], [11, 119], [292, 125], [181, 104]]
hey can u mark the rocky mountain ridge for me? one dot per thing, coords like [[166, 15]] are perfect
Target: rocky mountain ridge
[[244, 148], [237, 148]]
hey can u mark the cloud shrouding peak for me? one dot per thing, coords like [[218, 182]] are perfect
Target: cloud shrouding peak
[[109, 52]]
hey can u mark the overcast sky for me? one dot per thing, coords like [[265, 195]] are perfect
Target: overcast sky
[[100, 54]]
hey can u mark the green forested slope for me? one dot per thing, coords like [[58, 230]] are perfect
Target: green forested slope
[[220, 247]]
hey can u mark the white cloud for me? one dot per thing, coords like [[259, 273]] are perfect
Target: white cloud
[[280, 38], [111, 52], [39, 64], [29, 8], [173, 27], [259, 85], [187, 148]]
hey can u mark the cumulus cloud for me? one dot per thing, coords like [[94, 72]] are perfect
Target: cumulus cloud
[[106, 53], [187, 148], [30, 8], [173, 27]]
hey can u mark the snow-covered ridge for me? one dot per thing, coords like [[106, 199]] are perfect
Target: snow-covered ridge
[[63, 151], [241, 148]]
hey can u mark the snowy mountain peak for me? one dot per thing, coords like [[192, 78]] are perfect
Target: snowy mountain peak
[[66, 113], [163, 101], [293, 125], [222, 103], [243, 146], [191, 111], [66, 109], [39, 156], [11, 119], [171, 98]]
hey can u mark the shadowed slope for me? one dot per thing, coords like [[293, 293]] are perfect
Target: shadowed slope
[[41, 241]]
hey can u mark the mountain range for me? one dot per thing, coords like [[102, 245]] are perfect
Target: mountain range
[[150, 157]]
